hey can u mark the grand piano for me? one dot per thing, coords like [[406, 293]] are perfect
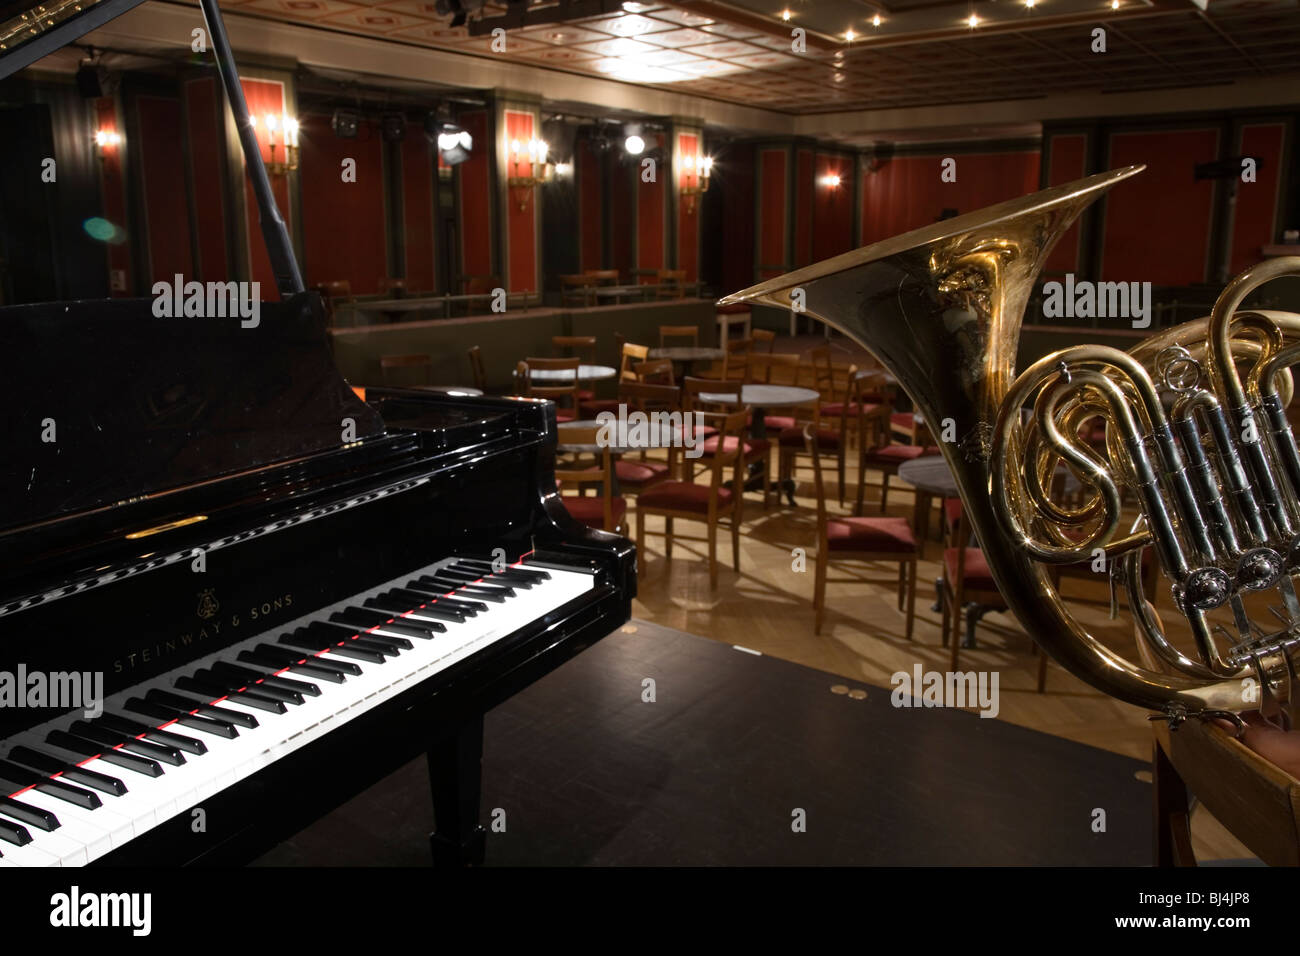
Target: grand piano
[[233, 594]]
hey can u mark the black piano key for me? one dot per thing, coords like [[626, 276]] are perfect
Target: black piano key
[[243, 690], [124, 725], [354, 638], [361, 617], [289, 656], [300, 638], [14, 833], [44, 763], [301, 688], [204, 709], [470, 591], [102, 735], [389, 606], [390, 640], [19, 777], [216, 691], [271, 674], [485, 567], [87, 748], [28, 814], [465, 581], [254, 659], [417, 598], [147, 708]]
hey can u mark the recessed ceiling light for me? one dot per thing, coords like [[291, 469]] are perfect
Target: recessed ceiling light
[[1114, 4], [972, 21], [1030, 3], [875, 21], [850, 35], [785, 14]]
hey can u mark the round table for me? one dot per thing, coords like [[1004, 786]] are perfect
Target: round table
[[687, 354], [761, 397], [672, 440], [586, 373]]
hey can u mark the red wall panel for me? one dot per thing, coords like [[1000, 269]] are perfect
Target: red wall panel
[[476, 198], [771, 205], [417, 208], [1067, 162], [587, 170], [907, 193], [114, 193], [163, 190], [622, 213], [688, 211], [521, 223], [204, 127], [1157, 225], [344, 234], [805, 191], [1255, 222], [734, 174], [832, 207], [650, 224]]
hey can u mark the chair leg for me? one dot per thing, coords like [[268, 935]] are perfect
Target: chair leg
[[840, 462], [862, 485], [911, 597], [954, 636], [713, 556], [819, 592], [884, 490], [640, 540], [735, 542], [668, 538], [767, 477], [902, 583]]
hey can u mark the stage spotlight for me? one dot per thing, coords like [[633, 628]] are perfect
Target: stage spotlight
[[634, 145], [454, 144], [345, 124], [393, 126]]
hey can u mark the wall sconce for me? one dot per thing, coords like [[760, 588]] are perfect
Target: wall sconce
[[695, 178], [107, 141], [539, 170], [831, 181], [286, 127]]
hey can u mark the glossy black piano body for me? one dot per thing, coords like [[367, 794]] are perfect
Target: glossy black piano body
[[175, 485]]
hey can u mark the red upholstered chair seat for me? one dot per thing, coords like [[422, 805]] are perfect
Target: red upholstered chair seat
[[977, 576], [566, 415], [827, 440], [585, 394], [590, 509], [754, 446], [590, 409], [870, 534], [897, 454], [779, 423], [634, 472], [681, 496], [952, 510], [736, 308], [903, 421]]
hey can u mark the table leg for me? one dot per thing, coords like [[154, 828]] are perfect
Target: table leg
[[921, 520]]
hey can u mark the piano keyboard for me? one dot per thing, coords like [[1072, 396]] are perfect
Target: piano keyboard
[[74, 789]]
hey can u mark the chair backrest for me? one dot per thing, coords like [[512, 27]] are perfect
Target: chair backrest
[[389, 285], [478, 285], [823, 373], [819, 489], [735, 359], [779, 368], [337, 290], [655, 372], [602, 276], [588, 467], [691, 332], [693, 387], [417, 365], [631, 353], [725, 464], [476, 369], [555, 391], [670, 283], [764, 339], [648, 397], [583, 346]]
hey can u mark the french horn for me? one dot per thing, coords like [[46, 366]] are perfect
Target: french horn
[[1197, 449]]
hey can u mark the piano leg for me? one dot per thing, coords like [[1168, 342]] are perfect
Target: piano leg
[[455, 774]]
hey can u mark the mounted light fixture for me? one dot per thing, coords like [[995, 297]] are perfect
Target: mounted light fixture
[[696, 171], [285, 129], [107, 141], [345, 123], [531, 156], [831, 181]]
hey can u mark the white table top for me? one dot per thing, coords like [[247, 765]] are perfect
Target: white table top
[[654, 438], [586, 373], [765, 396]]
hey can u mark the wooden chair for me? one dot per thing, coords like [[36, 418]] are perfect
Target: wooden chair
[[476, 369], [967, 588], [606, 512], [639, 471], [674, 279], [691, 332], [764, 340], [602, 276], [399, 369], [655, 372], [831, 431], [720, 499], [779, 368], [391, 287], [631, 354], [479, 284], [757, 451], [869, 540], [577, 290], [332, 293], [735, 360], [566, 391], [584, 347]]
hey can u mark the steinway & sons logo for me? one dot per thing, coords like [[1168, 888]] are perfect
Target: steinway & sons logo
[[211, 623]]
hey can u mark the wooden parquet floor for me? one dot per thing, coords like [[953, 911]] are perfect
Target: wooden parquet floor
[[767, 606]]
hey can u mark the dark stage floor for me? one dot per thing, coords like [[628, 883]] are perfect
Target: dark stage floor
[[712, 773]]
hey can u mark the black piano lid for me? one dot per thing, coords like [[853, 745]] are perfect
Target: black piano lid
[[28, 31], [141, 404]]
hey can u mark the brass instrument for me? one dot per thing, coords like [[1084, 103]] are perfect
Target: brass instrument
[[1216, 477]]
